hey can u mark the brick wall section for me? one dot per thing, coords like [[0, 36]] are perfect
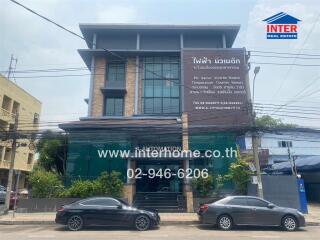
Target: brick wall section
[[130, 87], [140, 87], [99, 82]]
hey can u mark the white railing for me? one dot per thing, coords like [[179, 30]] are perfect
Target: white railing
[[6, 113]]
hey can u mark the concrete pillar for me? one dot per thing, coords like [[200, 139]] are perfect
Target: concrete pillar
[[224, 41], [187, 191], [128, 192], [129, 189]]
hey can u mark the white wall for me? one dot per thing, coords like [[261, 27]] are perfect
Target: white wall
[[303, 144]]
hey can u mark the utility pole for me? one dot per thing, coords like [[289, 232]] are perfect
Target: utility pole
[[255, 148], [292, 160], [13, 155], [255, 140], [18, 172]]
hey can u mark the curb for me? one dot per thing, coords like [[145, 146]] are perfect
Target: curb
[[19, 222], [163, 223], [176, 223]]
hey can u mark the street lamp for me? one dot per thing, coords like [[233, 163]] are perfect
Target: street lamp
[[255, 144], [256, 71]]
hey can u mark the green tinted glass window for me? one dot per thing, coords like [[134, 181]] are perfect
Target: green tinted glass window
[[161, 85], [114, 106]]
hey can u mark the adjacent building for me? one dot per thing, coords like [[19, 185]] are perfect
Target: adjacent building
[[290, 151], [14, 99], [159, 87], [282, 145]]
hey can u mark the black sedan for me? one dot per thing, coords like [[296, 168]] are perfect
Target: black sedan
[[105, 211], [246, 210]]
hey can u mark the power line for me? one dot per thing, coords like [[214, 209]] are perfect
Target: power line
[[286, 53], [284, 57], [294, 61], [77, 35], [287, 106], [287, 64]]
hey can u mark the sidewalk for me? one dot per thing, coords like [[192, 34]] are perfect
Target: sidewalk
[[312, 219]]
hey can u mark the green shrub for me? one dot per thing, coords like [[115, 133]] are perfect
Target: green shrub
[[45, 184], [83, 188], [203, 185], [111, 183], [106, 184]]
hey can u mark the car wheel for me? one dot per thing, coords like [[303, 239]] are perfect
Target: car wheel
[[289, 223], [225, 222], [75, 223], [142, 222]]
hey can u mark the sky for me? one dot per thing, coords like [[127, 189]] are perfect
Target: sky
[[38, 44]]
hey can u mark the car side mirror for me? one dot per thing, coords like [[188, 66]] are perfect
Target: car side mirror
[[119, 206], [270, 205]]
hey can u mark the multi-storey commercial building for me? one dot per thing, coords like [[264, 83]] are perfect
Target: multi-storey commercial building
[[156, 87], [14, 99]]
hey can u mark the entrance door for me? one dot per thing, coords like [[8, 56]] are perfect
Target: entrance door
[[154, 182]]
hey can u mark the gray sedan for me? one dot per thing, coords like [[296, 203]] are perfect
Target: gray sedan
[[246, 210]]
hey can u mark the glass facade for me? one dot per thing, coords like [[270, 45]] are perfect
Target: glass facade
[[161, 85]]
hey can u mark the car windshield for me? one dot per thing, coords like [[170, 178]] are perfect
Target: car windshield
[[123, 202]]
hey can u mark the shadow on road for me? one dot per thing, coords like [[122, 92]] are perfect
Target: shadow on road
[[247, 228], [103, 228]]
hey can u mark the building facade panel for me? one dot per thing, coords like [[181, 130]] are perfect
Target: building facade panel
[[125, 41], [160, 42]]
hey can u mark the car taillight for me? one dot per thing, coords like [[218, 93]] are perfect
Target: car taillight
[[204, 207], [61, 209]]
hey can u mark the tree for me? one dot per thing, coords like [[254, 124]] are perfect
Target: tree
[[52, 150], [267, 121], [239, 173]]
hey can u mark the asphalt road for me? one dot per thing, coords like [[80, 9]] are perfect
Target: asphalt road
[[20, 232]]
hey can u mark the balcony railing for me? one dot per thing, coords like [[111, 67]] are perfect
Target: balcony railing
[[5, 114], [115, 85]]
